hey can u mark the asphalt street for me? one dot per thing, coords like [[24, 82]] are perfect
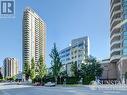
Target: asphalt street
[[11, 89]]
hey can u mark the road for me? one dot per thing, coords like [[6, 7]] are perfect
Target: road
[[7, 89]]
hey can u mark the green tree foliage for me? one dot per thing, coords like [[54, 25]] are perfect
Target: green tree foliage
[[63, 73], [74, 69], [32, 70], [1, 76], [27, 70], [14, 78], [91, 70], [42, 68], [55, 62]]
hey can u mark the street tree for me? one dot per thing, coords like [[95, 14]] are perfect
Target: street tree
[[32, 70], [42, 68], [55, 62], [91, 70], [26, 70], [74, 69], [1, 76]]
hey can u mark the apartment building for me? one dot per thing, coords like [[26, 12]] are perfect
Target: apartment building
[[75, 53], [118, 37], [34, 36], [10, 67]]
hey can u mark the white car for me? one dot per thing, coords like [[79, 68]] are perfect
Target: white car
[[50, 84]]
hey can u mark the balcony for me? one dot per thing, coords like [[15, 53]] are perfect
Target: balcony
[[115, 50], [116, 14], [115, 22], [113, 2], [115, 39], [115, 7], [115, 35], [114, 58], [116, 28], [115, 42]]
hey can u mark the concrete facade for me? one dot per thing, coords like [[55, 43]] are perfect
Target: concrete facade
[[34, 36], [109, 70], [118, 37], [76, 52], [10, 67]]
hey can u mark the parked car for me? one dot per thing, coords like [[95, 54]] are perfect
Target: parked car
[[18, 83], [38, 84], [50, 84]]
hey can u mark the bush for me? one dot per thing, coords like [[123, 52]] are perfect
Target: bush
[[87, 80], [60, 80], [49, 79], [36, 79], [72, 80]]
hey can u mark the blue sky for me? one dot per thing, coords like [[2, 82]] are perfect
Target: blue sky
[[65, 20]]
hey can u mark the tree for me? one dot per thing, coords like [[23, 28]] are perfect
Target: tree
[[32, 70], [55, 62], [14, 78], [1, 76], [74, 69], [63, 73], [27, 70], [91, 69], [42, 68], [75, 72]]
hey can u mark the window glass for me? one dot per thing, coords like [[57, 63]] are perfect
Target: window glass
[[125, 33], [125, 27], [124, 43], [125, 51]]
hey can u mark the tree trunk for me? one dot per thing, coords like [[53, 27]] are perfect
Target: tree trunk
[[41, 82], [56, 80]]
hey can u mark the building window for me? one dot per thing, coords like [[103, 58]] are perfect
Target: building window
[[80, 45], [67, 54], [125, 43], [125, 33], [125, 51], [125, 26]]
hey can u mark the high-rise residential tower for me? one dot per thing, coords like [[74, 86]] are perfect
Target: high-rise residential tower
[[10, 67], [118, 37], [115, 32], [33, 36]]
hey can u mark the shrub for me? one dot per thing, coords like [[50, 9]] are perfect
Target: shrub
[[72, 80], [87, 80]]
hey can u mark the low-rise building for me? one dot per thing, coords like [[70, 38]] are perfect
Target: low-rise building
[[75, 53]]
